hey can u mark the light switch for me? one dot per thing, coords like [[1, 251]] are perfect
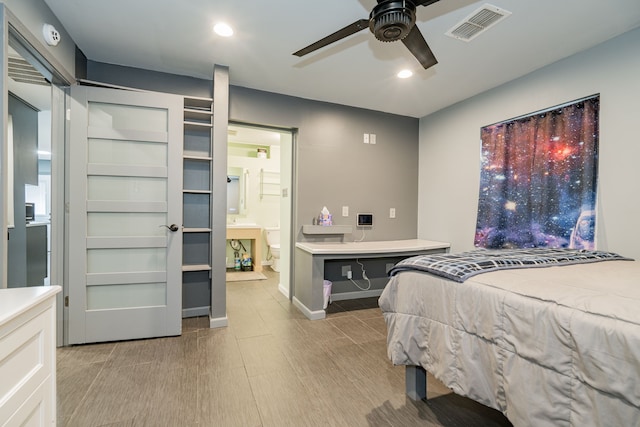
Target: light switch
[[345, 211], [392, 212], [366, 138]]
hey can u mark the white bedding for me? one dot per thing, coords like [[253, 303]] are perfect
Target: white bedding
[[557, 346]]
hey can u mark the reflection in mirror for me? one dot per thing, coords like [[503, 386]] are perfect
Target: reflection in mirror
[[233, 194], [30, 112], [236, 191]]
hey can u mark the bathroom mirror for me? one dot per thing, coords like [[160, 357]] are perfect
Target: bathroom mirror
[[236, 191]]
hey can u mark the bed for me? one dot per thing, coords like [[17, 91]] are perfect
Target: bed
[[552, 346]]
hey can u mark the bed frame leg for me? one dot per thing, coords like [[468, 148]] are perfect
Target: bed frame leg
[[416, 382]]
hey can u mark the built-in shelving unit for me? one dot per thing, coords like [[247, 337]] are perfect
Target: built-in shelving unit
[[197, 205]]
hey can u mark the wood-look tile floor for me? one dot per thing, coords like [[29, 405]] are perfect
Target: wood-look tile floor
[[270, 367]]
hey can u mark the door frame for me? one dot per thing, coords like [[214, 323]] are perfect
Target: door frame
[[11, 28], [292, 191]]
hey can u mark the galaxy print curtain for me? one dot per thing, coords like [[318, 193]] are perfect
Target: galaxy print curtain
[[538, 179]]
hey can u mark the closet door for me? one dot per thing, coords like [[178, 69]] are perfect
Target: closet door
[[124, 215]]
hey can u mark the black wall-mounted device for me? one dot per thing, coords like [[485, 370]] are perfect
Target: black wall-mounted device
[[365, 220]]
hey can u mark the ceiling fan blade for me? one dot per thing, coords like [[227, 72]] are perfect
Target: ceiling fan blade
[[424, 2], [340, 34], [419, 48]]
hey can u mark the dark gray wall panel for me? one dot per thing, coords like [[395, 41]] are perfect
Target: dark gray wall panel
[[335, 167], [148, 80]]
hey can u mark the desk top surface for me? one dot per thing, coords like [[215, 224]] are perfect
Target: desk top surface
[[376, 247]]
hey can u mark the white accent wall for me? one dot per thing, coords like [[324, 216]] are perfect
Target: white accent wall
[[449, 163]]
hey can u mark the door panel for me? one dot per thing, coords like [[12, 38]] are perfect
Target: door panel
[[125, 174]]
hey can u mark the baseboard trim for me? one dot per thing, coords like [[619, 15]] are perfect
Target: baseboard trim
[[311, 315], [218, 322], [284, 291], [355, 295], [195, 311]]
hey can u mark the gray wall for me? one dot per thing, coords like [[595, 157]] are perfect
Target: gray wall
[[450, 143], [149, 80], [335, 168]]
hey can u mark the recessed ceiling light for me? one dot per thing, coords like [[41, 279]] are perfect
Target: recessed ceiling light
[[223, 29], [405, 74]]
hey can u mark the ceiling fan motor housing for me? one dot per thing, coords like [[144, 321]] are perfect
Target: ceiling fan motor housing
[[392, 20]]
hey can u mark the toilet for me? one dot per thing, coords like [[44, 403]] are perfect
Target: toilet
[[273, 240]]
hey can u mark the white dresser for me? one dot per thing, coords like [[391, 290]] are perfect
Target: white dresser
[[28, 356]]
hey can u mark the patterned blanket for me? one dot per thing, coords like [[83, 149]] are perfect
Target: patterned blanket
[[461, 266]]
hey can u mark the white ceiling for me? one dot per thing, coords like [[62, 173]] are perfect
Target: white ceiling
[[175, 36]]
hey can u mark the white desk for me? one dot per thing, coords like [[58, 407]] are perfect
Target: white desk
[[310, 265], [28, 356]]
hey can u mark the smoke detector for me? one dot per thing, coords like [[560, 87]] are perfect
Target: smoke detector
[[478, 22], [51, 35]]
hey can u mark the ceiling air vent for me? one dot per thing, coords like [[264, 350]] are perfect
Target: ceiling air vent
[[478, 22]]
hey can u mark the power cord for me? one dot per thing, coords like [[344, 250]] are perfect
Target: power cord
[[364, 276], [362, 238]]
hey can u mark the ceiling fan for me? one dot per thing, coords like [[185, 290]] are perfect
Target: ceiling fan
[[390, 20]]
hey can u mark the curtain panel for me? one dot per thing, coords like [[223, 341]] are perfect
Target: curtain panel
[[538, 179]]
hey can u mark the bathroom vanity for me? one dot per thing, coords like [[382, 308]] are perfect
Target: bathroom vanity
[[248, 232]]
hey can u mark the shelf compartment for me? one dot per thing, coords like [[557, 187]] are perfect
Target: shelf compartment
[[193, 115], [195, 250], [196, 210], [196, 174], [198, 103], [197, 142]]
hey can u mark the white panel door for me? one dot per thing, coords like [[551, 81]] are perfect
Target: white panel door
[[124, 215]]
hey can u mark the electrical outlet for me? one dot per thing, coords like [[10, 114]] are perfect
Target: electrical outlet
[[346, 270], [345, 211], [366, 138], [372, 138], [392, 212], [349, 274]]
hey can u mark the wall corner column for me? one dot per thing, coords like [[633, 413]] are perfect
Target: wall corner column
[[218, 314]]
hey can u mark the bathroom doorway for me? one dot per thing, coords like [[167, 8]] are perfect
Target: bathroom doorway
[[259, 202]]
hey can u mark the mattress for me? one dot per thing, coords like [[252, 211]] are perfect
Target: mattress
[[556, 346]]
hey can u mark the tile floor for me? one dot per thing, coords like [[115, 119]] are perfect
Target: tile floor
[[270, 367]]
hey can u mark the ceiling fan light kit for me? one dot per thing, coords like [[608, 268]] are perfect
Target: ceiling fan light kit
[[390, 20]]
